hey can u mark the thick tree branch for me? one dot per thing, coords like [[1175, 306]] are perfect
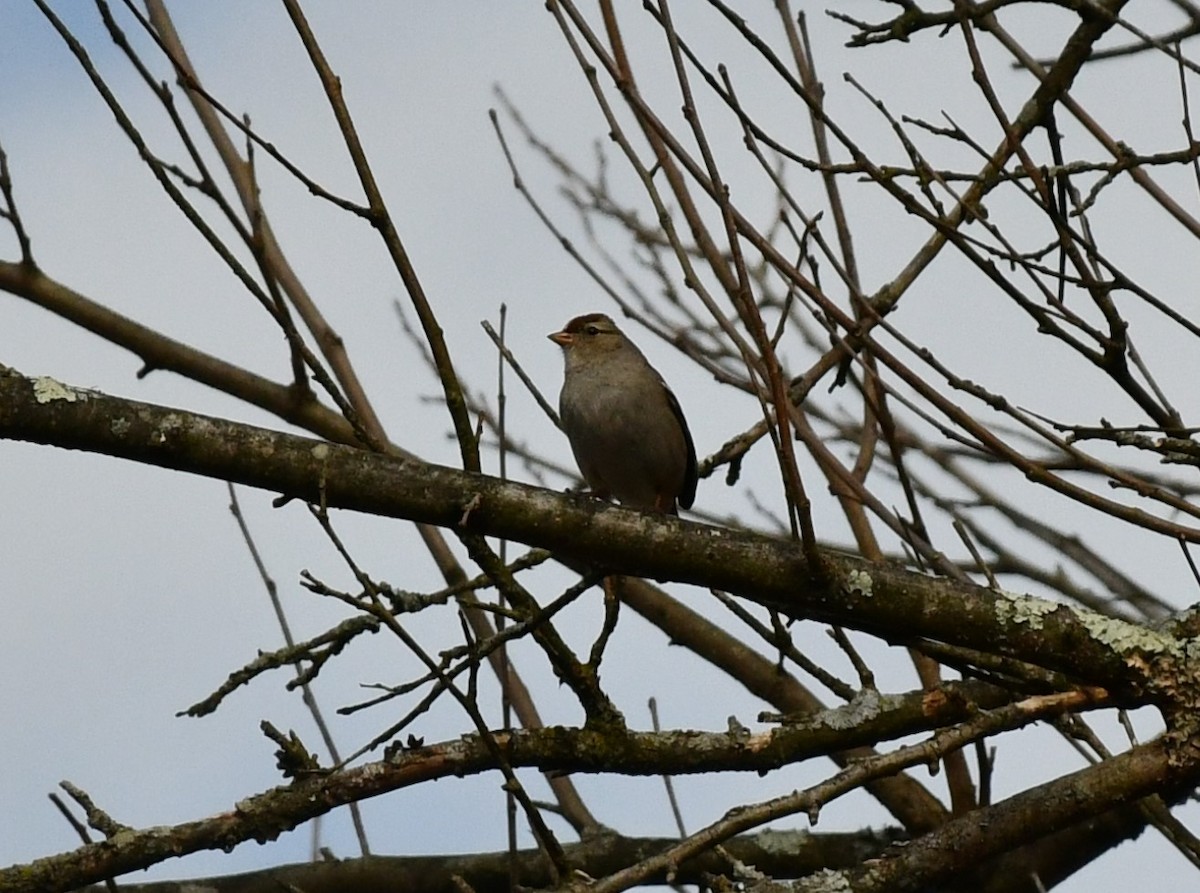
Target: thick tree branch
[[959, 845], [266, 815], [780, 853], [1138, 664]]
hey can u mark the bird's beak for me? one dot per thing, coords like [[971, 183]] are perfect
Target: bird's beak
[[562, 339]]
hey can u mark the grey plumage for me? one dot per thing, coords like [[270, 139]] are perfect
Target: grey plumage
[[626, 428]]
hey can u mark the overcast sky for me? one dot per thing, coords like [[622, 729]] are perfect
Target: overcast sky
[[127, 592]]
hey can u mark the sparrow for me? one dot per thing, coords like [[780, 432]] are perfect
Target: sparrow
[[627, 430]]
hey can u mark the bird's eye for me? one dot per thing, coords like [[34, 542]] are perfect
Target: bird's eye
[[593, 330]]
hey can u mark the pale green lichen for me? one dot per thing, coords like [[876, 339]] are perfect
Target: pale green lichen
[[865, 705], [1191, 650], [1122, 636], [786, 842], [321, 451], [1119, 635], [169, 423], [47, 390], [860, 582], [824, 881], [1024, 609]]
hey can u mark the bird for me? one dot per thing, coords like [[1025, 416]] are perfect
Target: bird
[[626, 429]]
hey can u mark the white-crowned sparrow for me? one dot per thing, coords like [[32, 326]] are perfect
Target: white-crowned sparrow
[[626, 429]]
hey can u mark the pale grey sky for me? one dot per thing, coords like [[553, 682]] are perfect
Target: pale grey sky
[[126, 590]]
